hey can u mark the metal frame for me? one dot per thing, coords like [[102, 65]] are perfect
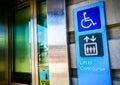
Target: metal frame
[[34, 43], [57, 42]]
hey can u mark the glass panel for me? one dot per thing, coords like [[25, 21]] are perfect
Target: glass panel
[[22, 41], [42, 43], [22, 47]]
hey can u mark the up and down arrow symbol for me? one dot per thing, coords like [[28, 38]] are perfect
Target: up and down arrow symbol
[[92, 39]]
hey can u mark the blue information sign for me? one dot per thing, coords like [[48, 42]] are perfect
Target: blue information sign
[[91, 45]]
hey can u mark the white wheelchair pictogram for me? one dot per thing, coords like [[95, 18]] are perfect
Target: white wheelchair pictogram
[[87, 19]]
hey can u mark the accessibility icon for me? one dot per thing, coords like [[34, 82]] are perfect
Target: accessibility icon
[[89, 19], [85, 20], [91, 45]]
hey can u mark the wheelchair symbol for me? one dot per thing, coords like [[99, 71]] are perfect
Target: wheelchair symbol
[[85, 20]]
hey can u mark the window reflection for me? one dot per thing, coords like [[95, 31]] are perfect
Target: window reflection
[[42, 46], [42, 38], [21, 42]]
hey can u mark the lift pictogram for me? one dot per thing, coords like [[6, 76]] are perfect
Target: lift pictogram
[[91, 45]]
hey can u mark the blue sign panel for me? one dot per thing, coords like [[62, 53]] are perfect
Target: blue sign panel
[[91, 45]]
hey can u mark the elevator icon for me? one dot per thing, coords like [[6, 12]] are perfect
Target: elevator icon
[[91, 45], [90, 48]]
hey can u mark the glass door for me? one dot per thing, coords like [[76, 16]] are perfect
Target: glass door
[[21, 65], [31, 40], [30, 51]]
